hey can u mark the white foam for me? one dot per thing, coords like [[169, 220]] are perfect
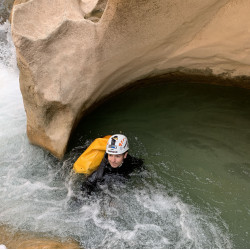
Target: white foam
[[194, 229], [7, 49], [12, 115]]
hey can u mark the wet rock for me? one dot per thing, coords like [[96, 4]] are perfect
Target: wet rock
[[70, 57], [27, 240]]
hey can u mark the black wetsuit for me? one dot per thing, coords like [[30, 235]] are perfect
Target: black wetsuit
[[105, 174]]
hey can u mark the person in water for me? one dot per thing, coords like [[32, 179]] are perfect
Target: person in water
[[116, 166]]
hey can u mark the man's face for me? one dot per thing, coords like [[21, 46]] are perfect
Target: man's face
[[116, 160]]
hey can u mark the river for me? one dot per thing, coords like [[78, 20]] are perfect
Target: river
[[194, 192]]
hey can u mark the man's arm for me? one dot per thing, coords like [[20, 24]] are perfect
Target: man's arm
[[90, 184]]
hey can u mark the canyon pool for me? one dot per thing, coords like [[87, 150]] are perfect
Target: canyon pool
[[193, 193]]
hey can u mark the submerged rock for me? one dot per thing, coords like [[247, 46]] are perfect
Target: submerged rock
[[71, 54]]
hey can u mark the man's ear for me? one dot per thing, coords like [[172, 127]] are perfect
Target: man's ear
[[125, 155]]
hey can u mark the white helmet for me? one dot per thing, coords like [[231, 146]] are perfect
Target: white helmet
[[117, 144]]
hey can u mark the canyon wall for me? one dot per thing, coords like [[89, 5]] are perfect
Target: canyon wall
[[71, 54]]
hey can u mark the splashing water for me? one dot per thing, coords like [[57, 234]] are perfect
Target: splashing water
[[158, 208]]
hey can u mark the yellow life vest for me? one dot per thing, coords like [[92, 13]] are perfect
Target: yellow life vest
[[91, 158]]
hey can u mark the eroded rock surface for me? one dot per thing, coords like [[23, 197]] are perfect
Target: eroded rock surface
[[70, 57]]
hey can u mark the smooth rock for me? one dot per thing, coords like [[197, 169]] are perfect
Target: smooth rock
[[68, 62], [12, 239]]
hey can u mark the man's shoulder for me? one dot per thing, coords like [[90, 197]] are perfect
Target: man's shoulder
[[134, 161], [134, 158]]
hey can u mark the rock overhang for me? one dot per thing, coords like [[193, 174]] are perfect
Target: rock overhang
[[68, 63]]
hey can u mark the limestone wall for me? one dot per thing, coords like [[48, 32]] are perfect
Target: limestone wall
[[70, 57]]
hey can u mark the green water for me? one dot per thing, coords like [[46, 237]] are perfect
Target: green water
[[195, 140]]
